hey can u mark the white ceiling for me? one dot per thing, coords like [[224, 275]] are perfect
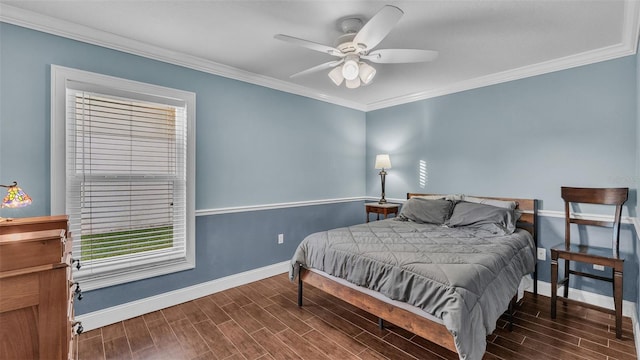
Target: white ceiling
[[480, 42]]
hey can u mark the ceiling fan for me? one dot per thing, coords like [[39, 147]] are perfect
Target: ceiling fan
[[357, 44]]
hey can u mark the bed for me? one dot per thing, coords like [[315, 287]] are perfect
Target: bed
[[446, 277]]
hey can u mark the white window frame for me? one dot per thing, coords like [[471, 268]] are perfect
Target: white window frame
[[60, 76]]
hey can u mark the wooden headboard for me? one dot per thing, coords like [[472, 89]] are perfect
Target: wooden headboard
[[529, 208]]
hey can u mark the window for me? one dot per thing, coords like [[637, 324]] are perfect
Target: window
[[123, 170]]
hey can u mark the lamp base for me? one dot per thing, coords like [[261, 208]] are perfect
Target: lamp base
[[382, 176]]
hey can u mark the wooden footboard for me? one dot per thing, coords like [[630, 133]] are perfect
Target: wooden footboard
[[423, 327]]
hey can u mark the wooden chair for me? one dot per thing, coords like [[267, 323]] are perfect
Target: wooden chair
[[604, 256]]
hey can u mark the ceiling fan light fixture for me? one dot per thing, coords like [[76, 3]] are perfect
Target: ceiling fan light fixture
[[353, 84], [358, 41], [367, 72], [336, 75], [351, 69]]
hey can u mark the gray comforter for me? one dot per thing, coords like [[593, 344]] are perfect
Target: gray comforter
[[464, 276]]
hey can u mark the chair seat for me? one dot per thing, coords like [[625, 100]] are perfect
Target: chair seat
[[605, 252], [591, 254]]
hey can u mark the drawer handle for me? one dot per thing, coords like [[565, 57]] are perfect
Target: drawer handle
[[77, 327], [77, 292], [77, 261]]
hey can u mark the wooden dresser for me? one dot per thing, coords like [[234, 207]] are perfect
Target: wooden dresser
[[36, 289]]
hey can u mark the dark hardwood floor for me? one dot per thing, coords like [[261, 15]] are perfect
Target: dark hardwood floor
[[262, 321]]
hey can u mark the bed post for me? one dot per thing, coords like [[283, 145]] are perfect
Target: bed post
[[299, 284], [512, 311]]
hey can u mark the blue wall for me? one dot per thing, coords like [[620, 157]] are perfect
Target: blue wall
[[231, 243], [257, 146], [524, 138], [254, 146]]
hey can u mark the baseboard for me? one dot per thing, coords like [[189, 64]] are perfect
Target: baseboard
[[130, 310], [628, 307]]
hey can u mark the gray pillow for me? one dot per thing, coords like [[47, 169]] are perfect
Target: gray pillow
[[426, 211], [499, 203], [492, 218], [452, 197]]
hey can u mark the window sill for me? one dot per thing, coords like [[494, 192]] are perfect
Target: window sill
[[93, 281]]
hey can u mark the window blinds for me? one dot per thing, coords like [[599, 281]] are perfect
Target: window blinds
[[126, 179]]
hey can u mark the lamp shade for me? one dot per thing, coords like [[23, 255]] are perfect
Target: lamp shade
[[352, 72], [383, 161], [353, 84], [336, 75], [15, 197], [367, 72]]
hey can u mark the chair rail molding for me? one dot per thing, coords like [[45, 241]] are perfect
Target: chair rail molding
[[238, 209]]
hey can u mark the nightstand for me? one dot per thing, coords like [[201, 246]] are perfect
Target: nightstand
[[384, 209]]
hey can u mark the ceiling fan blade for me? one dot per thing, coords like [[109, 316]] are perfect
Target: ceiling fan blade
[[320, 67], [309, 45], [378, 26], [397, 56]]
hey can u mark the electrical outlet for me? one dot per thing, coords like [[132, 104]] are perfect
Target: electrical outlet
[[542, 254], [280, 238], [598, 267]]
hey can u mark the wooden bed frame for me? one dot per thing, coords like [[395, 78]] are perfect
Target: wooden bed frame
[[423, 327]]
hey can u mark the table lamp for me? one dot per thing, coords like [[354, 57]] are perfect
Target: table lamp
[[15, 198], [382, 162]]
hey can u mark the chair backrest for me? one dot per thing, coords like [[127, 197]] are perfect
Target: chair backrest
[[602, 196]]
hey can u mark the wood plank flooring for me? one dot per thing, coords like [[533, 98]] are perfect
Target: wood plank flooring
[[262, 321]]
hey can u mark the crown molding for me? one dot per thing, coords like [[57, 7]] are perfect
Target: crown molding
[[630, 33], [16, 16], [586, 58], [50, 25]]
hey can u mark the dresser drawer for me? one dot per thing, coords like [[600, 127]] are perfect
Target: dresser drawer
[[25, 250], [36, 303], [18, 292], [376, 210], [21, 225]]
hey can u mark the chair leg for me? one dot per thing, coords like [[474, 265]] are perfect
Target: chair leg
[[512, 311], [299, 285], [617, 299], [566, 274], [554, 286]]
